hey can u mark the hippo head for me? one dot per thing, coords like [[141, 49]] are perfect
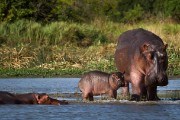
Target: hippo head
[[156, 62], [46, 100], [117, 80], [41, 98]]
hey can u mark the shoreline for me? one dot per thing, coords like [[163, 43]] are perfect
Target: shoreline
[[69, 76], [45, 73]]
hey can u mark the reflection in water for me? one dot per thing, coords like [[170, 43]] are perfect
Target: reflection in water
[[107, 109]]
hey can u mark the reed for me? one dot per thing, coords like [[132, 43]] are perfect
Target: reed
[[73, 47]]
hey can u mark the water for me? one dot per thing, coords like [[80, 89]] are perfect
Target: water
[[89, 112], [109, 109], [40, 85], [56, 85]]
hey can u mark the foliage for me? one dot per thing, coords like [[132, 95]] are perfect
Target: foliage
[[22, 32], [134, 14], [38, 72], [88, 10], [11, 10], [79, 35], [168, 8], [73, 47]]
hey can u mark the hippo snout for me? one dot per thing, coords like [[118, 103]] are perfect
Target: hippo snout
[[162, 80], [121, 83]]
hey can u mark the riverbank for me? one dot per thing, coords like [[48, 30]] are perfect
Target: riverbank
[[32, 49], [29, 73]]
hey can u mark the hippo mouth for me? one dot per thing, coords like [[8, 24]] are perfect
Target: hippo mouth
[[121, 84], [156, 81], [163, 81]]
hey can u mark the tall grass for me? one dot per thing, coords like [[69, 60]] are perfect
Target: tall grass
[[29, 32], [73, 46]]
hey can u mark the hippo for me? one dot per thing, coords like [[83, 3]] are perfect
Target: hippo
[[143, 57], [98, 82], [46, 100], [29, 98], [8, 98]]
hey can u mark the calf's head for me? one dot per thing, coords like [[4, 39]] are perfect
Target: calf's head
[[117, 80]]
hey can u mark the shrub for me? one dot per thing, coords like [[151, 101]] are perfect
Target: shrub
[[132, 15], [55, 33]]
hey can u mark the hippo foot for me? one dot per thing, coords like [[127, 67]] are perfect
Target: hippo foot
[[64, 102], [135, 97], [156, 98]]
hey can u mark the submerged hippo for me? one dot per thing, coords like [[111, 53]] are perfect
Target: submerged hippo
[[97, 83], [28, 98], [143, 57], [46, 100]]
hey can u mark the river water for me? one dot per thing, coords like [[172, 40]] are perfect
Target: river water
[[105, 109]]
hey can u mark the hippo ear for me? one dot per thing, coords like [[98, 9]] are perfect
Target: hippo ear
[[165, 46], [145, 47], [113, 75]]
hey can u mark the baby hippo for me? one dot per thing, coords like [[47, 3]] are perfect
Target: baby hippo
[[96, 83]]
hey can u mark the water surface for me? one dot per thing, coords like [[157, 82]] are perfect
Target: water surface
[[106, 109]]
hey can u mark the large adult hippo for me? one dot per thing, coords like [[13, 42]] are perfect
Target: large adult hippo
[[142, 55]]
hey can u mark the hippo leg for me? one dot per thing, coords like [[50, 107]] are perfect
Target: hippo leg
[[152, 93], [91, 97], [125, 90], [136, 93], [144, 92], [113, 94], [139, 92], [87, 96], [137, 86]]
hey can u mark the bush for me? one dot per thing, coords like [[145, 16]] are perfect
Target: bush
[[38, 10], [87, 10], [83, 35], [168, 8], [134, 14], [55, 33]]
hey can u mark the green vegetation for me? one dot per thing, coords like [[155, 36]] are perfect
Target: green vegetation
[[88, 10], [69, 37], [62, 48]]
